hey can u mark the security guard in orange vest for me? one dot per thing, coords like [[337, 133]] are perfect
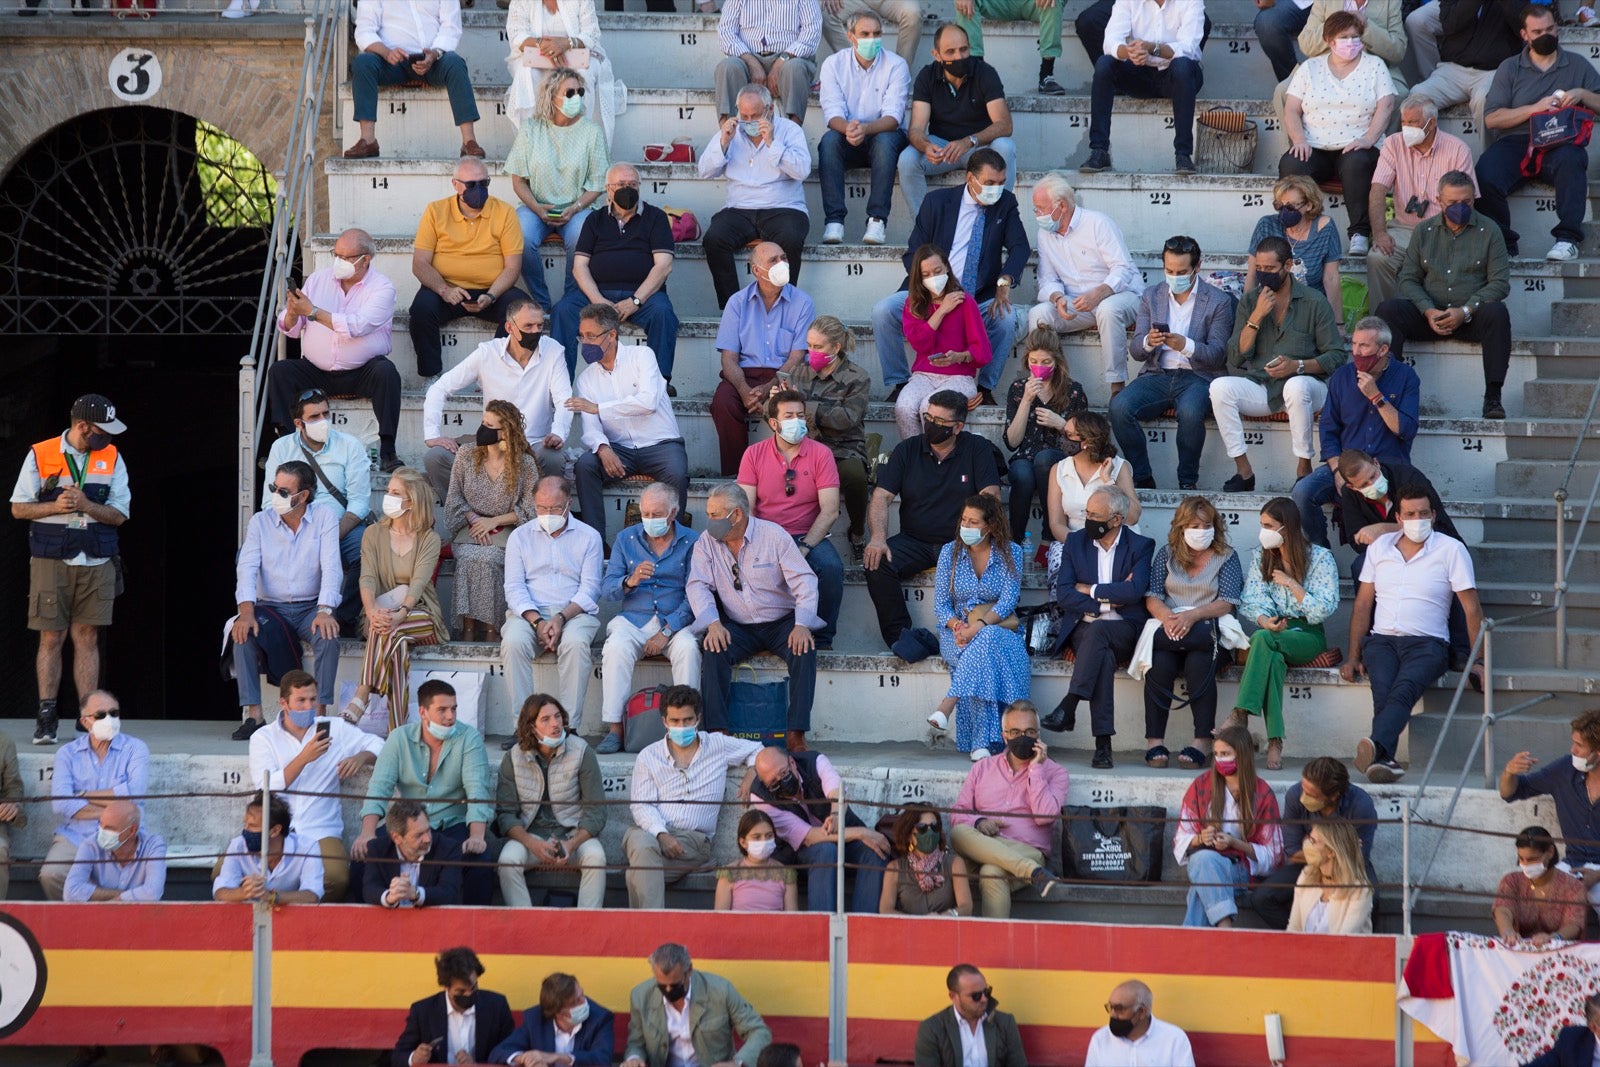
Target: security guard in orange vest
[[73, 492]]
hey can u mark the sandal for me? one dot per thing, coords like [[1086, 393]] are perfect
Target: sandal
[[1157, 757], [938, 726], [1237, 717], [354, 711], [1274, 753], [1192, 758]]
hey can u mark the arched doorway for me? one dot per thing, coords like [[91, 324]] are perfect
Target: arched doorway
[[132, 243]]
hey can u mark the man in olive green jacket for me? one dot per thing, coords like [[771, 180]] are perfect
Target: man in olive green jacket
[[715, 1013]]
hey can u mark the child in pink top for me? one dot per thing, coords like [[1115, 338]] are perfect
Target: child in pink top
[[757, 882], [944, 327]]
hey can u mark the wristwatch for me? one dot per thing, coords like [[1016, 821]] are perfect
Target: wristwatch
[[1003, 282], [1300, 367], [1467, 311], [636, 301]]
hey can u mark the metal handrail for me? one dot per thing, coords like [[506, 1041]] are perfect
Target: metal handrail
[[1566, 557], [293, 213]]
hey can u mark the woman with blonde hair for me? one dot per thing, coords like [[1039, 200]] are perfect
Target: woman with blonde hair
[[399, 605], [491, 494], [1332, 895], [1313, 238]]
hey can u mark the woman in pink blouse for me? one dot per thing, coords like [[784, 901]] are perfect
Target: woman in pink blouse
[[1539, 902], [944, 327]]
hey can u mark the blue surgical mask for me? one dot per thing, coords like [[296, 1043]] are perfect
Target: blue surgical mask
[[301, 720], [252, 841], [1180, 283], [580, 1014], [751, 128], [1047, 223], [971, 535], [683, 736], [869, 48], [988, 195], [572, 106], [553, 742], [656, 527], [441, 733], [591, 353]]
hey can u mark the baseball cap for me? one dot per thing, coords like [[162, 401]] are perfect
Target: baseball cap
[[95, 408]]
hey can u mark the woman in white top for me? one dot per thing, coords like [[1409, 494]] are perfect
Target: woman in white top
[[545, 34], [1091, 462], [1336, 111], [1332, 895]]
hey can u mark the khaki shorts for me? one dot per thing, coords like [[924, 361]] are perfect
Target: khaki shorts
[[59, 595]]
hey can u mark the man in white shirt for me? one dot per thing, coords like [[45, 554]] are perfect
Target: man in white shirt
[[293, 874], [628, 424], [463, 1024], [344, 318], [409, 41], [765, 160], [1400, 624], [526, 367], [1152, 49], [312, 757], [1086, 276], [553, 567], [1134, 1037], [865, 92], [971, 1032], [677, 784]]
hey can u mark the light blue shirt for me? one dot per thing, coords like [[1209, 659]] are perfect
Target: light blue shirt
[[762, 337], [761, 177], [141, 881], [343, 459], [662, 594], [125, 771], [545, 573], [855, 93], [298, 869], [283, 566]]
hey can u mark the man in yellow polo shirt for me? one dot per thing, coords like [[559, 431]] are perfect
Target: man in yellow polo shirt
[[468, 255]]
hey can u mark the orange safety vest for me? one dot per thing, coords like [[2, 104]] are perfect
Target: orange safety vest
[[65, 536]]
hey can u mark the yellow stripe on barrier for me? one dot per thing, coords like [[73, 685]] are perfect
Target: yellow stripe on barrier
[[1209, 1003], [180, 979], [392, 980]]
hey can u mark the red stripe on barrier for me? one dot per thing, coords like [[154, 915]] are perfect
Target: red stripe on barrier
[[1159, 949], [225, 1029], [136, 927]]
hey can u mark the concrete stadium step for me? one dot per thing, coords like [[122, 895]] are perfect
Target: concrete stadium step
[[1533, 477]]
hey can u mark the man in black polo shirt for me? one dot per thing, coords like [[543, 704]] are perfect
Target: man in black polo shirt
[[622, 258], [958, 105], [932, 474]]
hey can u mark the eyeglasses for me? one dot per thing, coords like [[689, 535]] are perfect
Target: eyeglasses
[[570, 93], [623, 185], [788, 482], [1120, 1009], [479, 183], [593, 338], [937, 421], [738, 583], [351, 259], [312, 396], [278, 490], [1011, 735], [115, 713], [979, 998], [1279, 205], [927, 826]]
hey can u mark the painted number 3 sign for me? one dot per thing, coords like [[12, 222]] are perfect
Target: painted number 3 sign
[[135, 75]]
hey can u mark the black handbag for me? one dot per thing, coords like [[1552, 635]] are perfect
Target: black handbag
[[1119, 844]]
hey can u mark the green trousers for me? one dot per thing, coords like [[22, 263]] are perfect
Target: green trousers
[[1271, 656], [1049, 21]]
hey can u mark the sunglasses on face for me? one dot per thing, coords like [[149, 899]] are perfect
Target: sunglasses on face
[[482, 183], [570, 93], [1279, 205], [278, 490], [115, 713], [979, 998]]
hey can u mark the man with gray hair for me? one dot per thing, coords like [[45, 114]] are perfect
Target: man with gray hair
[[1100, 588], [1086, 276], [770, 46], [1410, 164], [752, 591], [662, 1030], [1133, 1035], [765, 160]]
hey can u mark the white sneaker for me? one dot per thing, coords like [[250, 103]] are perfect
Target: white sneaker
[[833, 233], [978, 755], [875, 232], [1563, 251], [1359, 245]]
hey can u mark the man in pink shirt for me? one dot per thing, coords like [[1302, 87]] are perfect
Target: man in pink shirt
[[793, 481], [1410, 164], [344, 317], [1010, 849]]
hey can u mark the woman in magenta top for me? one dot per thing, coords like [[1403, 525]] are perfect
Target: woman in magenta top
[[944, 327]]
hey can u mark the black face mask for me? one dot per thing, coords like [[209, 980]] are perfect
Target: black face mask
[[475, 197], [626, 198], [1272, 280], [958, 68], [1545, 44], [488, 435], [1070, 448], [97, 440], [674, 992], [787, 786], [464, 1001], [935, 433], [528, 341], [1096, 528], [1021, 747], [1119, 1027]]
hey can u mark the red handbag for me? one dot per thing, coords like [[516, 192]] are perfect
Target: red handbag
[[679, 151]]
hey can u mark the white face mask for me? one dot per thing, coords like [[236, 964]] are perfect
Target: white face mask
[[1413, 135], [1378, 489], [760, 850], [1533, 870], [281, 504], [318, 431], [553, 742], [105, 729], [778, 273], [552, 524], [793, 431], [343, 269], [936, 283], [1271, 539], [107, 839], [1418, 530], [1582, 766], [1199, 539], [989, 194], [394, 506]]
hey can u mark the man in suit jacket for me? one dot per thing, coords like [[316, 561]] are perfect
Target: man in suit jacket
[[715, 1013], [564, 1023], [1104, 575], [463, 1021], [411, 867], [949, 219], [941, 1036], [1575, 1045], [1181, 336]]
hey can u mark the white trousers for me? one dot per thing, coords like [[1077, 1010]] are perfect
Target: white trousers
[[515, 864], [519, 647], [1234, 397], [1113, 317], [912, 402], [620, 653], [1451, 84]]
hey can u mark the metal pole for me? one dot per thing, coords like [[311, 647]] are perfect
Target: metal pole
[[1405, 866], [261, 954], [1488, 703], [1561, 580]]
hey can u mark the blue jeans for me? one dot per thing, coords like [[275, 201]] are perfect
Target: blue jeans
[[1276, 29], [325, 650], [1030, 481], [1214, 880], [349, 608], [1565, 166], [822, 882], [1400, 670], [1310, 494], [655, 317], [1146, 397], [829, 569], [880, 152], [889, 335], [915, 170], [368, 71], [1179, 83], [535, 229]]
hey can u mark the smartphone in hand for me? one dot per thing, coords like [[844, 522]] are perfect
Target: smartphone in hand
[[323, 728], [1159, 327]]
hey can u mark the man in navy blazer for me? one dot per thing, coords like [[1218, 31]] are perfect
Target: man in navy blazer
[[947, 220], [564, 1023], [1104, 575], [1575, 1045], [461, 1020], [411, 868], [1181, 335]]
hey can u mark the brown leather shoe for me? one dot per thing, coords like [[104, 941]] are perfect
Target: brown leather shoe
[[472, 148], [796, 741], [362, 150]]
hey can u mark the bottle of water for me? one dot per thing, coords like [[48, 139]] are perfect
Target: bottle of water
[[1027, 551]]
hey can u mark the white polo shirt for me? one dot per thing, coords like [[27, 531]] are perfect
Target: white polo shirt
[[1414, 596], [1163, 1045]]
